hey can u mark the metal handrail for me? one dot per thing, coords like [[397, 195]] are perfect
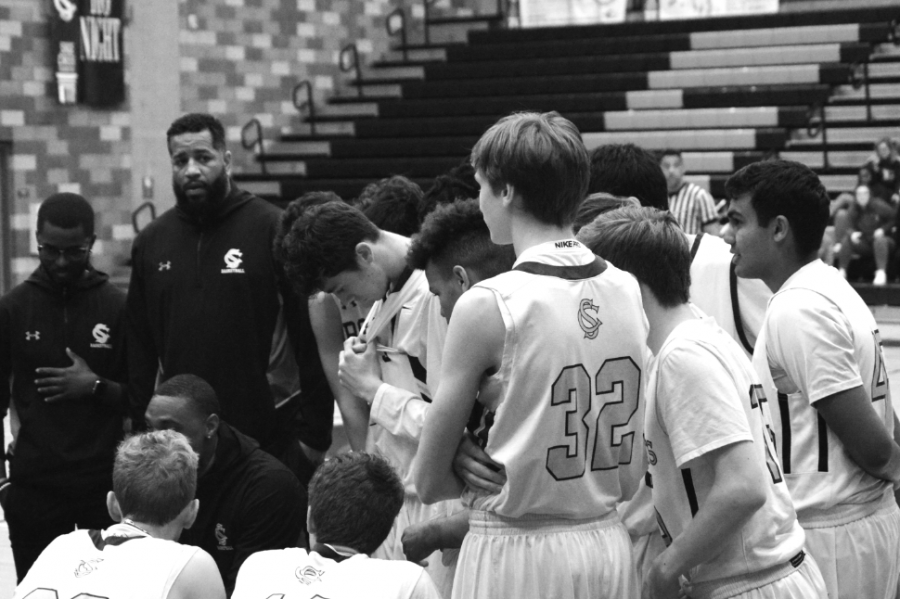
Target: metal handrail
[[253, 125], [859, 77], [426, 4], [308, 104], [350, 52], [398, 14], [816, 124], [137, 211]]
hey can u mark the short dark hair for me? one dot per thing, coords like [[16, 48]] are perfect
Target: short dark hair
[[154, 476], [791, 189], [542, 156], [456, 234], [393, 205], [196, 391], [456, 184], [353, 501], [649, 244], [293, 210], [598, 203], [669, 152], [627, 170], [66, 211], [322, 243], [195, 122]]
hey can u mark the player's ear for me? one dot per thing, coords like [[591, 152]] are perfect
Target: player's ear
[[461, 277], [212, 425], [507, 194], [364, 252], [189, 513], [310, 525], [780, 228], [112, 506]]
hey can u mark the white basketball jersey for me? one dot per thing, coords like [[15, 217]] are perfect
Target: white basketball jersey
[[569, 408], [352, 317], [738, 305], [702, 395], [296, 574], [106, 564], [820, 338], [417, 333]]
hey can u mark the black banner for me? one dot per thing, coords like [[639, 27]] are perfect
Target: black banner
[[87, 40]]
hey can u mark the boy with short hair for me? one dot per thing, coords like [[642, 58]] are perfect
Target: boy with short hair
[[353, 500], [561, 337], [395, 363], [819, 357], [152, 501], [721, 502]]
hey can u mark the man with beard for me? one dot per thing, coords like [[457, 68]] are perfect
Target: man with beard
[[207, 298], [61, 360]]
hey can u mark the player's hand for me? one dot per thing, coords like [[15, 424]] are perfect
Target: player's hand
[[419, 541], [855, 236], [73, 382], [660, 584], [360, 372], [357, 344], [476, 468]]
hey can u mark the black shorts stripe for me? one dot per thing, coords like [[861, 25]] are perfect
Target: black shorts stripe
[[785, 433]]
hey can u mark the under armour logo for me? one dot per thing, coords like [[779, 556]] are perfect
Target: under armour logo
[[35, 336], [165, 265], [233, 258], [588, 323], [101, 333]]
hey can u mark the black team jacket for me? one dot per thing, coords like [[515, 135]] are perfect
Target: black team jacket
[[67, 446], [249, 502], [206, 299]]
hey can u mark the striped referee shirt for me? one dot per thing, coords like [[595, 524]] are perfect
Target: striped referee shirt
[[693, 208]]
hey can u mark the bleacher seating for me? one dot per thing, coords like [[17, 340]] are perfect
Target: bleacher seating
[[726, 91]]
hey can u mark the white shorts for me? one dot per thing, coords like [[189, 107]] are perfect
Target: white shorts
[[539, 557], [646, 549], [787, 581], [441, 564], [859, 558]]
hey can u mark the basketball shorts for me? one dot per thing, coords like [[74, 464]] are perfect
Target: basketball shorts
[[538, 557], [857, 548], [797, 579]]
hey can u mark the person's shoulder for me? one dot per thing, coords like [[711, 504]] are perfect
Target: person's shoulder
[[200, 577], [161, 225], [15, 296]]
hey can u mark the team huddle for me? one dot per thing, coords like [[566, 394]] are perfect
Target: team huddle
[[554, 396]]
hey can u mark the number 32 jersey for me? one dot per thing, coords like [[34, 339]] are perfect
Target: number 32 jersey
[[568, 411]]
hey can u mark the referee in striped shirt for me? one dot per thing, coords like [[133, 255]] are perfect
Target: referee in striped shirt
[[690, 204]]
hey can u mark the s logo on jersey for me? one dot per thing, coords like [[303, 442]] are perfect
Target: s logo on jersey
[[101, 336], [222, 539], [590, 324], [233, 260], [86, 567], [308, 575]]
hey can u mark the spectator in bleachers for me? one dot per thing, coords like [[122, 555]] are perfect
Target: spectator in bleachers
[[862, 230], [394, 202], [885, 168], [691, 205]]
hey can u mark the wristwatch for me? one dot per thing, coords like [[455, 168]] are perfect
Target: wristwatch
[[99, 388]]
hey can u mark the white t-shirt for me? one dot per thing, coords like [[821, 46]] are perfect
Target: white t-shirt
[[703, 395], [820, 338], [117, 563], [568, 406], [295, 574]]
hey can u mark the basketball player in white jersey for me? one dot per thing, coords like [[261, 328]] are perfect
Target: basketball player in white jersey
[[820, 361], [353, 500], [154, 480], [562, 336], [721, 501], [393, 367], [737, 305], [455, 250]]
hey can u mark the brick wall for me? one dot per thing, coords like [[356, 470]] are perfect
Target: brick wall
[[55, 148]]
